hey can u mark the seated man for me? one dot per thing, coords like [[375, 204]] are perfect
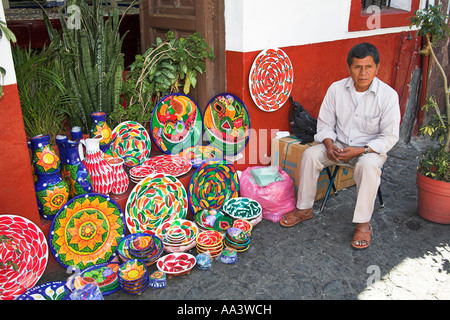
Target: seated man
[[358, 123]]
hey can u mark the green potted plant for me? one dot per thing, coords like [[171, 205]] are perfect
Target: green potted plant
[[164, 68], [44, 98], [91, 54], [433, 172]]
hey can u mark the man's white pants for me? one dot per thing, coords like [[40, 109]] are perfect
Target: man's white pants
[[367, 175]]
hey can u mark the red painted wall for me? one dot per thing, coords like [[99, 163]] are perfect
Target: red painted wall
[[17, 194], [316, 67]]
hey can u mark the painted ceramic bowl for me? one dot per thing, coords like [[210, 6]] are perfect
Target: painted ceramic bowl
[[125, 254], [132, 271], [244, 225], [228, 256], [212, 219], [242, 208], [177, 232], [176, 263], [209, 238]]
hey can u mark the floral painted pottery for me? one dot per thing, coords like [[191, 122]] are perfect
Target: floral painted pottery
[[158, 280], [45, 159], [99, 169], [56, 290], [198, 155], [120, 177], [76, 174], [227, 124], [212, 185], [154, 200], [133, 277], [52, 192], [100, 127], [175, 264], [87, 231], [28, 249], [242, 208], [105, 275], [174, 165], [123, 250], [176, 123], [228, 256], [130, 139], [177, 232], [271, 79]]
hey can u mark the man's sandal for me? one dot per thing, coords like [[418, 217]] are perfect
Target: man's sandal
[[291, 219], [361, 239]]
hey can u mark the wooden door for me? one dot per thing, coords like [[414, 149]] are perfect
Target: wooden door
[[186, 17]]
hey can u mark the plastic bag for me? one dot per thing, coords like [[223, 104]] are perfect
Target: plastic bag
[[276, 199]]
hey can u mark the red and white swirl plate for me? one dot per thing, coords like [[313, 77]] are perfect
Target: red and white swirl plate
[[271, 79], [28, 249]]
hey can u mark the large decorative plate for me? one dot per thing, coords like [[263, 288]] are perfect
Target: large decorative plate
[[27, 248], [129, 138], [271, 79], [176, 123], [212, 185], [56, 290], [87, 231], [198, 155], [174, 165], [188, 229], [242, 208], [155, 199], [227, 123]]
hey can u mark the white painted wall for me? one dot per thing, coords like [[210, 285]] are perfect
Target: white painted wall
[[6, 60], [253, 25]]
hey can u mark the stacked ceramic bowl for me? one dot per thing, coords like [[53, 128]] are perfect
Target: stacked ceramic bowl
[[212, 219], [211, 241], [106, 276], [130, 162], [178, 235], [141, 246], [237, 239], [133, 277], [140, 172]]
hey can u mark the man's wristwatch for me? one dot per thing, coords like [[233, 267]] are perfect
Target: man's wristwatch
[[366, 149]]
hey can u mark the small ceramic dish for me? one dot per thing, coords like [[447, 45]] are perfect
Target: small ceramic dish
[[176, 263]]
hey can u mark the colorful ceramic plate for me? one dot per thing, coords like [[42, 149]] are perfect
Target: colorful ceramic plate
[[174, 165], [213, 220], [132, 271], [28, 249], [198, 155], [212, 185], [154, 200], [242, 208], [106, 276], [86, 231], [168, 231], [227, 123], [56, 290], [176, 123], [176, 263], [129, 138], [271, 79]]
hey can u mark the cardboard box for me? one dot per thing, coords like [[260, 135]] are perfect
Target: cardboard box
[[287, 152]]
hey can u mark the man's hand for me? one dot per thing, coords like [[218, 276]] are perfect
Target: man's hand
[[331, 149], [348, 153]]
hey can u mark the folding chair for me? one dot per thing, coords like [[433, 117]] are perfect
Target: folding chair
[[332, 176]]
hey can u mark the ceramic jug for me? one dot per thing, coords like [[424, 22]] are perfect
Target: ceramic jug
[[101, 127], [45, 159], [99, 169], [52, 192], [77, 176], [120, 177]]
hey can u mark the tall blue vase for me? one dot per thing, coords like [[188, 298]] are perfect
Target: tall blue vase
[[101, 127], [52, 192], [78, 178]]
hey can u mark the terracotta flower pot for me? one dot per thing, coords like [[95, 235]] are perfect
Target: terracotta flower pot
[[433, 199]]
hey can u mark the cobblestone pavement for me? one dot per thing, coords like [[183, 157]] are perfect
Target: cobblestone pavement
[[409, 257]]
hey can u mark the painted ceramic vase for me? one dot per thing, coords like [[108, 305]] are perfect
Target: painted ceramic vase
[[101, 127], [76, 133], [52, 192], [60, 142], [99, 169], [77, 176], [45, 159], [120, 177]]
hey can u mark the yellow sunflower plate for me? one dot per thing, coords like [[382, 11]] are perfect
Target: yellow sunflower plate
[[86, 231]]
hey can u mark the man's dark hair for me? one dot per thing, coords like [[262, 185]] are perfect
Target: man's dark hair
[[362, 50]]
